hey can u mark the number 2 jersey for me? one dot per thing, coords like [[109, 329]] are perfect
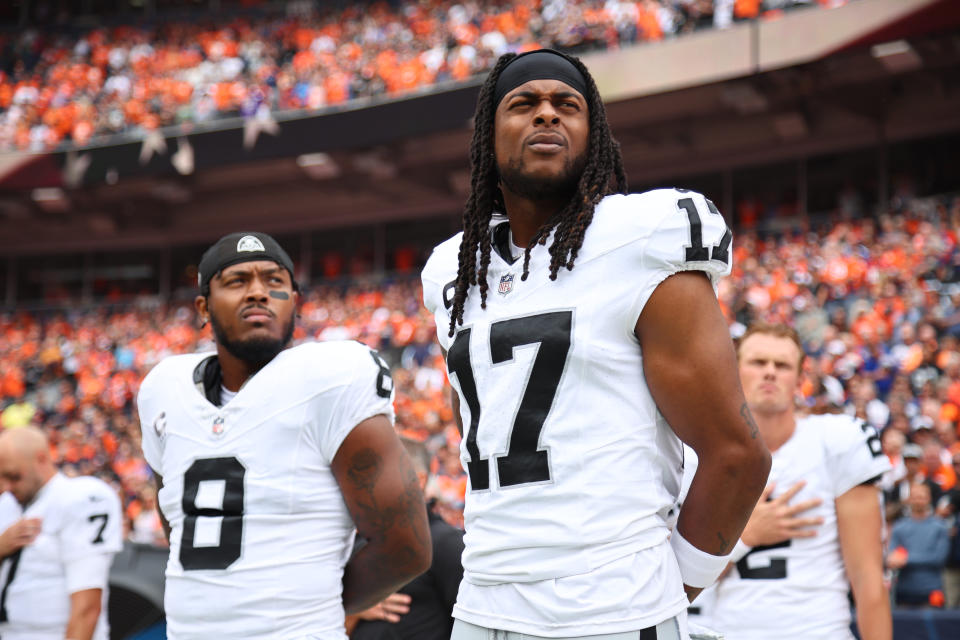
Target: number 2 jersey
[[260, 533], [572, 469], [81, 531], [798, 589]]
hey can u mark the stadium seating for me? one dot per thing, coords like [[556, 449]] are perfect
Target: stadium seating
[[854, 292], [130, 79]]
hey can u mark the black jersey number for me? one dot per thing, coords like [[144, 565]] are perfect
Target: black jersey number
[[776, 570], [230, 472], [696, 252], [384, 380], [524, 463], [873, 440], [103, 518]]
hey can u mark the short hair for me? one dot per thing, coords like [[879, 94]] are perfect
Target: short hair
[[418, 454], [777, 330]]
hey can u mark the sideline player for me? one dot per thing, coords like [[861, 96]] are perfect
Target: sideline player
[[267, 456], [573, 387], [816, 531], [59, 538]]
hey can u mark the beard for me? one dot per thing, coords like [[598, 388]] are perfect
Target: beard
[[561, 186], [257, 351]]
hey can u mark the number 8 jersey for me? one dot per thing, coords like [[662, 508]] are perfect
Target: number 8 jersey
[[259, 529], [570, 464]]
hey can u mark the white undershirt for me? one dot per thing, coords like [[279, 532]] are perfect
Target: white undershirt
[[226, 395]]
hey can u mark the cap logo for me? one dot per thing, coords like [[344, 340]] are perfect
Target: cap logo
[[250, 243]]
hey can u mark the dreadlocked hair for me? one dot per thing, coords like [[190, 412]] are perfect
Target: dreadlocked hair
[[603, 165]]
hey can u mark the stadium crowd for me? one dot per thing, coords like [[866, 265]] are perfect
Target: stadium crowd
[[71, 87], [876, 301]]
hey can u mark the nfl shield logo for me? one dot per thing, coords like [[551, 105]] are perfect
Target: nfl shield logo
[[217, 426], [506, 284]]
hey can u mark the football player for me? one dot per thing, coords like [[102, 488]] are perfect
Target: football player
[[267, 456], [59, 537], [816, 532], [583, 336]]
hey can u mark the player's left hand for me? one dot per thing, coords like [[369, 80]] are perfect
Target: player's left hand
[[391, 608]]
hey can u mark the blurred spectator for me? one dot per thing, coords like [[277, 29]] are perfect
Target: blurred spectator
[[919, 543], [73, 86], [896, 497], [938, 472], [146, 527], [949, 509]]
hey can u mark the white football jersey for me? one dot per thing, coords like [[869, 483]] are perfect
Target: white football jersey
[[572, 470], [260, 533], [81, 518], [798, 588]]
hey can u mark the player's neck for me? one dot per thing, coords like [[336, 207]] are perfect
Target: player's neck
[[233, 370], [775, 428], [527, 216], [46, 476]]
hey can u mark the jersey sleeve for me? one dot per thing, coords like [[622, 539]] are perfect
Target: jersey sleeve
[[438, 277], [853, 450], [94, 524], [151, 426], [689, 234], [369, 393]]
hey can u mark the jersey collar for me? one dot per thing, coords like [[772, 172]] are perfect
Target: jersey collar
[[500, 241]]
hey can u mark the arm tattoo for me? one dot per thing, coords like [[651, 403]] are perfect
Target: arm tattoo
[[365, 470], [724, 543], [383, 495], [754, 429]]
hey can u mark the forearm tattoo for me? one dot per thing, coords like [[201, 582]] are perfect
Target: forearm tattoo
[[381, 521], [751, 423]]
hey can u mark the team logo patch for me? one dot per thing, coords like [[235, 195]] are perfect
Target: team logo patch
[[160, 425], [506, 284], [250, 243], [217, 426]]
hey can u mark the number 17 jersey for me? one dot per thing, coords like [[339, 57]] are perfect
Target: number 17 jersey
[[571, 467]]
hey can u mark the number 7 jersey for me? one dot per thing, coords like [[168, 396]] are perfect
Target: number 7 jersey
[[570, 464]]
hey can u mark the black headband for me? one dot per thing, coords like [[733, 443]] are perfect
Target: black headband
[[243, 246], [542, 64]]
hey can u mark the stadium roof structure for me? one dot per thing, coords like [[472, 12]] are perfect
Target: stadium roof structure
[[864, 75]]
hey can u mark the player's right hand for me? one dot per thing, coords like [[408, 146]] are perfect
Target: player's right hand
[[774, 519], [897, 558], [391, 608], [19, 534]]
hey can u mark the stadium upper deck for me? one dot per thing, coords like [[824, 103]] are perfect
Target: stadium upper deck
[[77, 85]]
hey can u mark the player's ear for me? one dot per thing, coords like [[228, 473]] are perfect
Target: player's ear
[[200, 304]]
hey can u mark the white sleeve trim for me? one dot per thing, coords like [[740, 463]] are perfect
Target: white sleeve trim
[[88, 572]]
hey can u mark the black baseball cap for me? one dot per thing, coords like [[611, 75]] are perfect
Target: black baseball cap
[[242, 246]]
